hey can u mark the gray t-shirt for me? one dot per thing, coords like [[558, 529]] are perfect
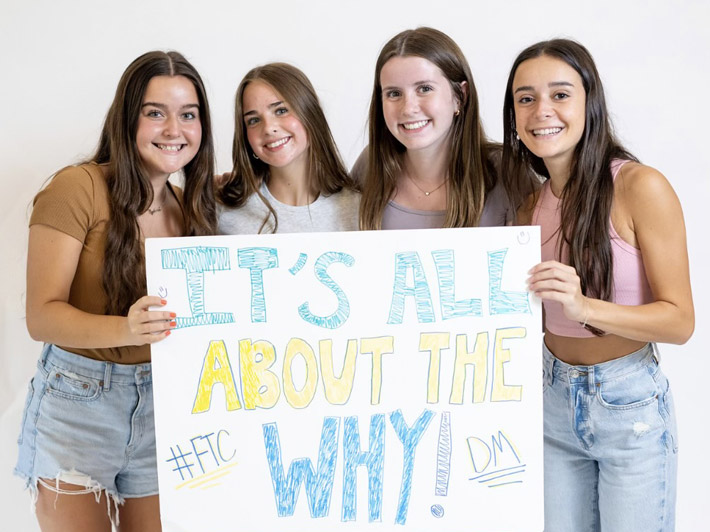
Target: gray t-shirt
[[496, 211], [337, 212]]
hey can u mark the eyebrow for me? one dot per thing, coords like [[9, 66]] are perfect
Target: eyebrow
[[271, 106], [551, 84], [421, 82], [163, 106]]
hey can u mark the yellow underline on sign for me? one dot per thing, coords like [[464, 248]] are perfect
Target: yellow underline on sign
[[210, 479], [211, 486], [207, 476]]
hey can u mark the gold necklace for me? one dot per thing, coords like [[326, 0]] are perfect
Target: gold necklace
[[424, 191], [159, 207]]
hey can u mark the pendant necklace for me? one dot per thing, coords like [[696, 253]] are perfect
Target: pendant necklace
[[159, 207], [424, 191]]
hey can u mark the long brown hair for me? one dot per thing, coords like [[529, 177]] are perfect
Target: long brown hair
[[471, 171], [587, 197], [326, 172], [130, 191]]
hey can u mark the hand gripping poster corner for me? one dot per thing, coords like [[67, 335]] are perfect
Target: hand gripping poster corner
[[365, 381]]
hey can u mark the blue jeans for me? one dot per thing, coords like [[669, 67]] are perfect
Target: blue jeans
[[89, 423], [611, 446]]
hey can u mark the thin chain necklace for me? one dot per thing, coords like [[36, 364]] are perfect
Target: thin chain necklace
[[424, 191], [159, 207]]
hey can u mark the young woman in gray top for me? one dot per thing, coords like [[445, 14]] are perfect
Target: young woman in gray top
[[288, 176], [428, 163]]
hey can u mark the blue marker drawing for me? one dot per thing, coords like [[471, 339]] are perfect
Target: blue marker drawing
[[300, 263], [373, 460], [319, 483], [497, 458], [405, 261], [342, 313], [443, 455], [450, 308], [196, 261], [410, 438], [257, 260], [501, 302]]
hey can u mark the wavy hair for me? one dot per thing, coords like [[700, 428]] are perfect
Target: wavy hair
[[470, 169], [587, 197], [325, 170], [130, 191]]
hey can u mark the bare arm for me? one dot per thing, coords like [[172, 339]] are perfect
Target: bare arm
[[50, 318], [656, 220]]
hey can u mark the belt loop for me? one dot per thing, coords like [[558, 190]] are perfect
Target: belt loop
[[550, 369], [107, 376], [656, 353], [591, 381]]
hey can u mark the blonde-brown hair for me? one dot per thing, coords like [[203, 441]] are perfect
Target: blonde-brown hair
[[470, 170], [326, 172]]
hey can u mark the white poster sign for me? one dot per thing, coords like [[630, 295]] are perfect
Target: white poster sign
[[349, 381]]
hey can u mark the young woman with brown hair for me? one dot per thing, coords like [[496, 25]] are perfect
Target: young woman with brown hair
[[87, 434]]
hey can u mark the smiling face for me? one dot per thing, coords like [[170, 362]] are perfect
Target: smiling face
[[275, 133], [549, 101], [169, 130], [418, 103]]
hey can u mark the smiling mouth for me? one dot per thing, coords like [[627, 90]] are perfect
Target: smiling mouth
[[278, 143], [546, 132], [411, 126], [174, 148]]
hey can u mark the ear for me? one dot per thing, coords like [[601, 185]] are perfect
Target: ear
[[464, 90]]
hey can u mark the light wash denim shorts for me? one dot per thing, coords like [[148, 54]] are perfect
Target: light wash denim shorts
[[610, 445], [89, 423]]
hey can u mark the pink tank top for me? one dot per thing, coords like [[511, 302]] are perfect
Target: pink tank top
[[630, 282]]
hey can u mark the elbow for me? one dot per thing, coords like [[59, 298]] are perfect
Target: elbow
[[685, 328]]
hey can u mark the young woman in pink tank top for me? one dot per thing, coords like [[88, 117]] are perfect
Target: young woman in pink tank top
[[614, 280]]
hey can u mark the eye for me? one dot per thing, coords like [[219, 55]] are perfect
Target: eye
[[525, 99], [392, 93], [153, 113], [425, 89], [561, 96], [251, 121], [280, 111], [189, 115]]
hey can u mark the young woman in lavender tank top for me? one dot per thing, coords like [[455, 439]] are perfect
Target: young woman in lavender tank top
[[614, 281], [428, 163]]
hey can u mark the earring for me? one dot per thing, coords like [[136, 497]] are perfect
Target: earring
[[517, 137], [254, 155], [458, 112]]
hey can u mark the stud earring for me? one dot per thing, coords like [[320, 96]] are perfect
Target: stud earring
[[255, 156]]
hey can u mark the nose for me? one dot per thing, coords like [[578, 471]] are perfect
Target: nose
[[269, 123], [410, 104], [172, 126], [543, 109]]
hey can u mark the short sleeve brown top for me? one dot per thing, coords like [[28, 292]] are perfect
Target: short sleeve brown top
[[75, 202]]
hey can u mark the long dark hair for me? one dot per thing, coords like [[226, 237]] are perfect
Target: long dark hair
[[130, 191], [587, 197], [326, 172], [471, 171]]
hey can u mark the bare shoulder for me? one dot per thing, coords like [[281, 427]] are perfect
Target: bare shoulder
[[644, 185]]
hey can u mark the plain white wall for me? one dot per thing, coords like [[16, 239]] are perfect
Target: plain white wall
[[60, 62]]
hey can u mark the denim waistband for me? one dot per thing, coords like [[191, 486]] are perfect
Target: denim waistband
[[598, 373], [106, 372]]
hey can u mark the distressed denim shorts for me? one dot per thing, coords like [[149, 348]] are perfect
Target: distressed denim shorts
[[89, 423], [610, 445]]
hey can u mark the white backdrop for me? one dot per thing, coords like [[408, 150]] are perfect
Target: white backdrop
[[60, 62]]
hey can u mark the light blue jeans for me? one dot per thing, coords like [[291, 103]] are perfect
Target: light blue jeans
[[89, 423], [611, 446]]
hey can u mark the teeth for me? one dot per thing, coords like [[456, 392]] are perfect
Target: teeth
[[171, 147], [415, 125], [278, 143], [548, 131]]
